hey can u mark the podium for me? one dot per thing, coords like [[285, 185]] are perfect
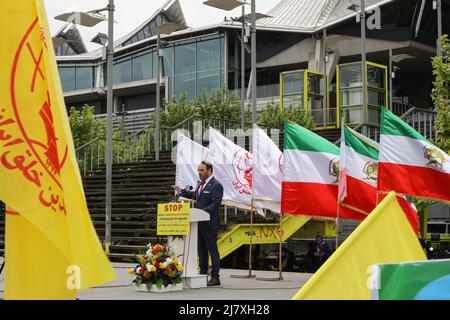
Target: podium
[[187, 246]]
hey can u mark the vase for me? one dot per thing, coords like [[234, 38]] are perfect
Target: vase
[[154, 288]]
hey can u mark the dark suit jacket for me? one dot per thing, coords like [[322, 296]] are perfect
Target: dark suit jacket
[[209, 200]]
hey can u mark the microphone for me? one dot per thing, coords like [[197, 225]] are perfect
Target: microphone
[[178, 194]]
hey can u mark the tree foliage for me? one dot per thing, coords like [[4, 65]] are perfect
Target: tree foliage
[[441, 95]]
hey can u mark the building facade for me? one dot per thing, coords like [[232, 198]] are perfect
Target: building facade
[[316, 38]]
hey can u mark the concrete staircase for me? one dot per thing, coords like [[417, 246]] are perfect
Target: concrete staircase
[[137, 188]]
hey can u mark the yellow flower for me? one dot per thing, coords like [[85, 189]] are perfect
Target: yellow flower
[[175, 260], [153, 269], [180, 267], [130, 270]]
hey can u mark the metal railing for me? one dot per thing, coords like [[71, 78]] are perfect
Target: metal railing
[[197, 126], [136, 146], [422, 121], [129, 147]]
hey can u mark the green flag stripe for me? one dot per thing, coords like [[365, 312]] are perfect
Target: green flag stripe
[[359, 145], [393, 125], [299, 138], [403, 281]]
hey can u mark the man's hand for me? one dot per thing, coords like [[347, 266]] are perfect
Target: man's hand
[[176, 188]]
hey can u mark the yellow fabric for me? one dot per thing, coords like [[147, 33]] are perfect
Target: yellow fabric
[[40, 175], [385, 236], [35, 269]]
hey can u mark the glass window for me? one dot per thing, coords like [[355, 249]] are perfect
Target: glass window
[[185, 58], [67, 75], [208, 80], [350, 76], [436, 228], [142, 67], [293, 101], [84, 78], [376, 98], [155, 64], [293, 83], [208, 55], [375, 77], [185, 83], [122, 71], [167, 70], [351, 97]]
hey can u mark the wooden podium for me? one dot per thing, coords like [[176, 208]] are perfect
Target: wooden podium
[[187, 247]]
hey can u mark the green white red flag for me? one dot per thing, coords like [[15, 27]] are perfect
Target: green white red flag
[[359, 174], [310, 178], [409, 164]]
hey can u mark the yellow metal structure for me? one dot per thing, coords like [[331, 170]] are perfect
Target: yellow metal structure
[[263, 233]]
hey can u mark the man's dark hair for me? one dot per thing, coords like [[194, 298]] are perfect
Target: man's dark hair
[[208, 165]]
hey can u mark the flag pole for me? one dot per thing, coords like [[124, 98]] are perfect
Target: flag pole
[[280, 235], [251, 243], [337, 225], [249, 275]]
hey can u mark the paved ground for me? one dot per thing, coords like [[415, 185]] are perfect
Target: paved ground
[[231, 289]]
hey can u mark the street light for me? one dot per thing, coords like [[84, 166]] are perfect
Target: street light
[[362, 19], [165, 28], [230, 5], [437, 5], [90, 19], [245, 33], [393, 69], [101, 39]]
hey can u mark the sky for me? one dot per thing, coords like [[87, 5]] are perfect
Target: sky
[[130, 14]]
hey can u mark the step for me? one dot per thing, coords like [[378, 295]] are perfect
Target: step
[[125, 256], [146, 240], [145, 224], [131, 247], [125, 215], [127, 230], [132, 175], [149, 191], [124, 211], [131, 199]]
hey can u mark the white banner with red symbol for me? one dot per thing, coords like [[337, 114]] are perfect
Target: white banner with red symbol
[[189, 155], [233, 167], [267, 172]]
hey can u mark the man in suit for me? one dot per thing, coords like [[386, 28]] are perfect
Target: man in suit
[[209, 194]]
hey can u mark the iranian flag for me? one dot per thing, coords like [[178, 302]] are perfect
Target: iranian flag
[[410, 164], [359, 174], [310, 179]]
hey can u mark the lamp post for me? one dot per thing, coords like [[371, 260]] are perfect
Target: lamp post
[[165, 28], [90, 19], [437, 5], [362, 19], [245, 34], [230, 5]]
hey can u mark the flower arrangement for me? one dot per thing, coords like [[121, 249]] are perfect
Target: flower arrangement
[[157, 267]]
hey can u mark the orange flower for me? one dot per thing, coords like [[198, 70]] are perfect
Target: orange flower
[[147, 274], [180, 267]]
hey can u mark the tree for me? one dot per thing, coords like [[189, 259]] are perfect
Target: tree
[[273, 116], [441, 95], [85, 127]]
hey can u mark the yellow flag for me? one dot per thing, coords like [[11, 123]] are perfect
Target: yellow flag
[[385, 236], [40, 175]]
